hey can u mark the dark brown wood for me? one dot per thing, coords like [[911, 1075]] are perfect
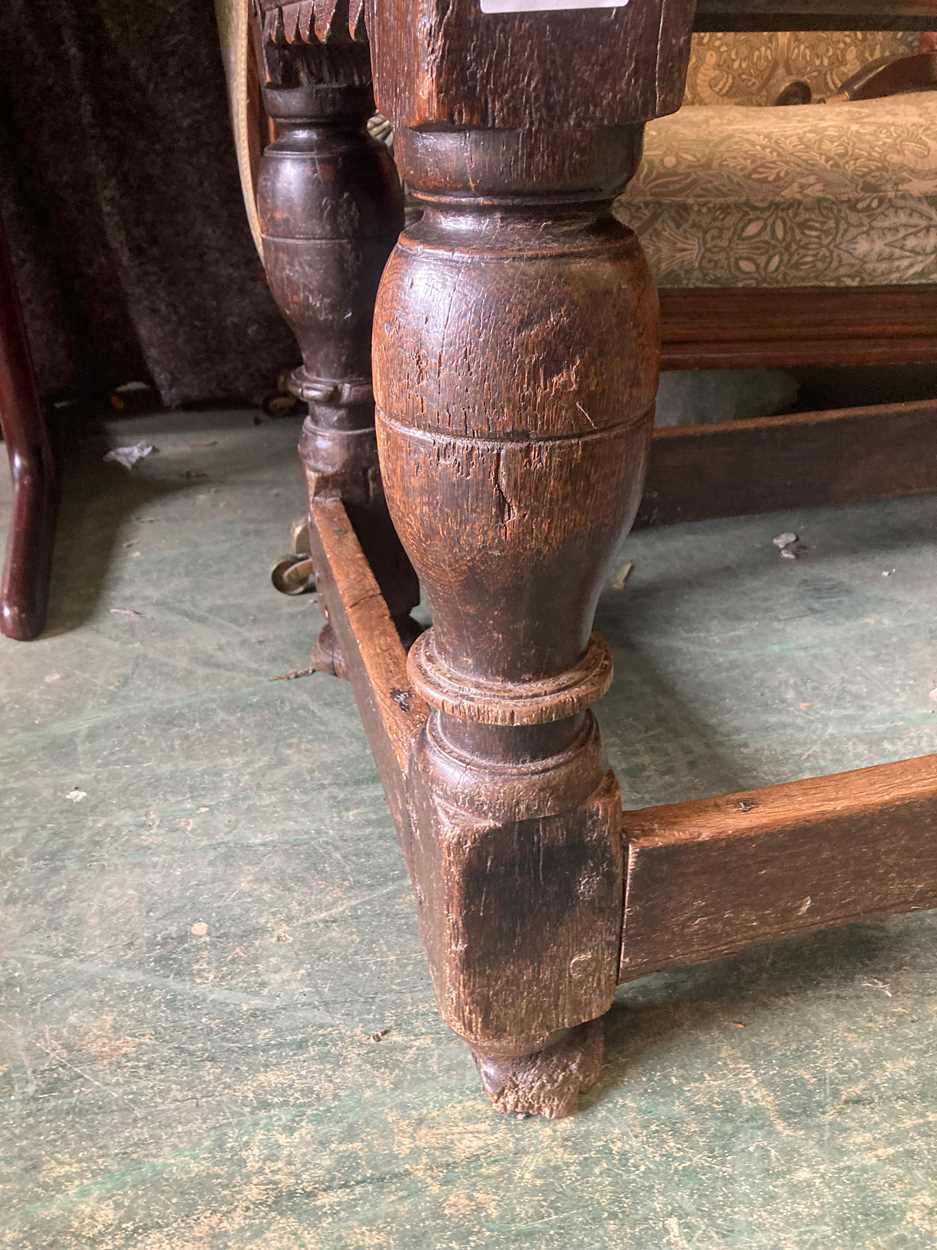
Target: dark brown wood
[[888, 76], [515, 371], [25, 585], [330, 209], [394, 717], [812, 458], [391, 711], [710, 877], [751, 327], [770, 15], [515, 367]]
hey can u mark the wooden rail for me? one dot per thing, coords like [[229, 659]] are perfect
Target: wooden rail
[[703, 878], [751, 327], [847, 455], [711, 877]]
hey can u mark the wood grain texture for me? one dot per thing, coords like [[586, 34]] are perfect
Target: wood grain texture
[[707, 878], [750, 327], [515, 359], [515, 367], [445, 63], [467, 872], [805, 460], [391, 712], [330, 208], [815, 14]]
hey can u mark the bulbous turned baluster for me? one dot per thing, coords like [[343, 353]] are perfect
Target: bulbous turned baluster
[[511, 475], [515, 364], [330, 208]]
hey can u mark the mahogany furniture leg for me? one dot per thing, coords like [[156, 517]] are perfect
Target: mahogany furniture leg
[[515, 361], [25, 586], [330, 208]]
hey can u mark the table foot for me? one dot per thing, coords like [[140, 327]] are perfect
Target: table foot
[[548, 1082]]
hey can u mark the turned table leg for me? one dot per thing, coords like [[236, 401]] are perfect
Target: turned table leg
[[515, 357], [330, 208], [25, 585]]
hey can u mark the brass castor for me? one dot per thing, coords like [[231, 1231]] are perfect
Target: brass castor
[[294, 574]]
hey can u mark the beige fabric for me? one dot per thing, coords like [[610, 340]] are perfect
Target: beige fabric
[[754, 68], [809, 195], [234, 34], [734, 196]]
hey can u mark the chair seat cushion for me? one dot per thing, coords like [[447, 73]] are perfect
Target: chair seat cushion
[[808, 195]]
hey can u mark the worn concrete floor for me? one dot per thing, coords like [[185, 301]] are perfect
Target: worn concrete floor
[[216, 1028]]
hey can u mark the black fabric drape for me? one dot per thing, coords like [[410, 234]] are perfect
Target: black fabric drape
[[120, 195]]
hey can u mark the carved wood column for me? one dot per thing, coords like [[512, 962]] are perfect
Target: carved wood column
[[330, 208], [515, 358]]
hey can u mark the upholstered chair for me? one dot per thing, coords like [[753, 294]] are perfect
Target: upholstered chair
[[733, 194]]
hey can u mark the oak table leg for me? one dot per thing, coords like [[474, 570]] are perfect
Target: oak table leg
[[515, 351], [25, 585], [515, 362], [330, 209]]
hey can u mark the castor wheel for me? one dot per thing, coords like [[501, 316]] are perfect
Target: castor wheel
[[294, 574], [299, 536]]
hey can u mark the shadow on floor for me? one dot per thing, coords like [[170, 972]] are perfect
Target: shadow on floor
[[666, 1011]]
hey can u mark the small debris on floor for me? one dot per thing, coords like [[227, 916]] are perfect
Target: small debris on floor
[[133, 397], [76, 795], [618, 581], [124, 612], [294, 673], [379, 1035], [887, 572], [874, 984], [789, 545], [127, 457], [199, 929]]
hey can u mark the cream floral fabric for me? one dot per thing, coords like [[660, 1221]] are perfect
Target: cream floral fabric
[[806, 195], [755, 68]]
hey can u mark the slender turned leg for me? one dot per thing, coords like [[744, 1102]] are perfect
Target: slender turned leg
[[515, 358], [331, 208], [25, 586]]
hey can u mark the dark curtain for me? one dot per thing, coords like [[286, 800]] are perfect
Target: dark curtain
[[120, 194]]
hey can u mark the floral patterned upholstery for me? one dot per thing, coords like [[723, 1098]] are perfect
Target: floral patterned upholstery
[[754, 68], [807, 195]]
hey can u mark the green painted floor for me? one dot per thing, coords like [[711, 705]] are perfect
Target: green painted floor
[[216, 1029]]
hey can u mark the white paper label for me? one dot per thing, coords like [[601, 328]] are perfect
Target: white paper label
[[547, 6]]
